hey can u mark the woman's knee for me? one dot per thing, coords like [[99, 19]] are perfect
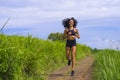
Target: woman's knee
[[73, 56]]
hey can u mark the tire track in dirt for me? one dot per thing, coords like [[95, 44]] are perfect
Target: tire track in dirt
[[83, 71]]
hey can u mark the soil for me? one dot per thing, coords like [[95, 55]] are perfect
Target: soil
[[83, 71]]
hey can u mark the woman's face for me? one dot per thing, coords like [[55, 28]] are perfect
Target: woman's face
[[71, 22]]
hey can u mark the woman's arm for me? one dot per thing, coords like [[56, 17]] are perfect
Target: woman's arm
[[65, 34], [77, 34]]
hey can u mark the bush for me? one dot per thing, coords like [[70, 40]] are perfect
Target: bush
[[55, 36]]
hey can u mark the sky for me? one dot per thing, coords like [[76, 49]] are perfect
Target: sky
[[98, 20]]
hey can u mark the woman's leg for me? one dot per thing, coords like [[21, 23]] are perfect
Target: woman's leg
[[73, 57], [68, 56], [68, 53]]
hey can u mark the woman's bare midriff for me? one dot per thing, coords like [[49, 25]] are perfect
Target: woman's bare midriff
[[70, 38]]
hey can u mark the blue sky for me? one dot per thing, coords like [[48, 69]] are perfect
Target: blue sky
[[98, 20]]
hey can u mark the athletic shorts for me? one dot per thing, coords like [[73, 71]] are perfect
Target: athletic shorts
[[71, 43]]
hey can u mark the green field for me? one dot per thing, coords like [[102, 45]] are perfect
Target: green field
[[107, 65], [30, 58]]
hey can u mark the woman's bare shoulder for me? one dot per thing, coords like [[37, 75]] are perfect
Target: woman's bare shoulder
[[75, 29]]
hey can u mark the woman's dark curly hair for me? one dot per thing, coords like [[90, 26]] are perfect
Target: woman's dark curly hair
[[65, 22]]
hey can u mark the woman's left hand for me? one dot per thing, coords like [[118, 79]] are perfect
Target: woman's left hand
[[73, 37]]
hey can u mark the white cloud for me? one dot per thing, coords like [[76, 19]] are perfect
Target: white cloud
[[30, 12]]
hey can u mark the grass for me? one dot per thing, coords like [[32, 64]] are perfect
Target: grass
[[29, 58], [107, 65]]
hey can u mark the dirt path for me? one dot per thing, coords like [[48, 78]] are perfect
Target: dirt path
[[83, 71]]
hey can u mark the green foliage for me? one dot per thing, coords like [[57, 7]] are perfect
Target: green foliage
[[28, 58], [82, 51], [55, 36], [95, 50], [107, 65]]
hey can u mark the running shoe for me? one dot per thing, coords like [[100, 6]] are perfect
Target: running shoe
[[72, 73], [69, 62]]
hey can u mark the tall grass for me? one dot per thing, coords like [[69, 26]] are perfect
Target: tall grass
[[29, 58], [107, 65]]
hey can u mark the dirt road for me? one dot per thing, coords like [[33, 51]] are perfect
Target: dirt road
[[83, 71]]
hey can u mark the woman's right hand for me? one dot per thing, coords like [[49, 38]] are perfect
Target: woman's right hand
[[69, 33]]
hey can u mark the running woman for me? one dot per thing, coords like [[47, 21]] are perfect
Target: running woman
[[70, 34]]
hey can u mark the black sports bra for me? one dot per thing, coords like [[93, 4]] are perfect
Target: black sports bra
[[72, 31]]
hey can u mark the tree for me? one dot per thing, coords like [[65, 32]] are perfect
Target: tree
[[55, 36]]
